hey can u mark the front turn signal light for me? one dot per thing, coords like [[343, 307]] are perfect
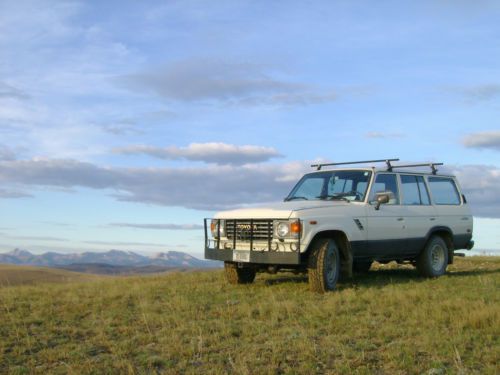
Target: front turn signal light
[[295, 227], [217, 228]]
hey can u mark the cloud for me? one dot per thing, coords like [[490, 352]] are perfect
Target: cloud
[[58, 224], [135, 124], [6, 153], [217, 153], [121, 128], [381, 135], [13, 194], [212, 187], [10, 92], [38, 238], [56, 173], [159, 226], [480, 185], [482, 92], [480, 140], [211, 80]]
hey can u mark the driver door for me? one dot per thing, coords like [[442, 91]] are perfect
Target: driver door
[[386, 235]]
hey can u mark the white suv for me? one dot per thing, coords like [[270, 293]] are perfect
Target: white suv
[[338, 221]]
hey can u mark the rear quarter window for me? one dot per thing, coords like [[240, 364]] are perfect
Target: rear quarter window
[[444, 191]]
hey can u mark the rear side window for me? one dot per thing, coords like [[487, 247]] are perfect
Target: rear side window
[[444, 191], [414, 190]]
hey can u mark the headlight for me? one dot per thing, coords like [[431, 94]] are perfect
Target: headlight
[[217, 228], [282, 229], [289, 229]]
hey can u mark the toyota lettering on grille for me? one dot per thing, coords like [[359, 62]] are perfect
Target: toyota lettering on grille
[[246, 227]]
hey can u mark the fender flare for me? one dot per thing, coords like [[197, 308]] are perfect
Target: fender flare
[[438, 228], [343, 241], [449, 239]]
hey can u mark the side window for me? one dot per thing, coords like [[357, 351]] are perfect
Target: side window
[[422, 188], [414, 190], [386, 183], [444, 190]]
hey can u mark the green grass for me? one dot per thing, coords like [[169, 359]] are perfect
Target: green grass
[[389, 321]]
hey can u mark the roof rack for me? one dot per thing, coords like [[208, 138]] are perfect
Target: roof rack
[[387, 161], [431, 165]]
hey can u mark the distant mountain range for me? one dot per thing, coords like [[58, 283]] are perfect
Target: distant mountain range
[[108, 262]]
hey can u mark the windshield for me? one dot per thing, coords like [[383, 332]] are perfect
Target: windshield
[[332, 185]]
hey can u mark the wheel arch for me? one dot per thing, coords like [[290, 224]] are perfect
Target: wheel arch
[[447, 235], [345, 250]]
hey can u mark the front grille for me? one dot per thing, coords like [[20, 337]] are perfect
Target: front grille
[[257, 230]]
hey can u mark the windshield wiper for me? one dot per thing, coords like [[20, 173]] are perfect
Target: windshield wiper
[[327, 196], [292, 198], [339, 197]]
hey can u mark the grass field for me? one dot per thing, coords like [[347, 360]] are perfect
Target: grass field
[[389, 321]]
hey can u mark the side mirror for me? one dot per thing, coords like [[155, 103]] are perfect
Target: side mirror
[[382, 198]]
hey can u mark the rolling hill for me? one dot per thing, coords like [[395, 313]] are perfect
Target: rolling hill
[[12, 275], [108, 269]]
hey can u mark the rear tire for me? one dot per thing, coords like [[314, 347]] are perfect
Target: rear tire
[[236, 275], [433, 260], [323, 265]]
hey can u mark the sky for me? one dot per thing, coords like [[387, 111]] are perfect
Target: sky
[[123, 124]]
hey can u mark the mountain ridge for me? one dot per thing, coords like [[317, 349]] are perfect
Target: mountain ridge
[[113, 257]]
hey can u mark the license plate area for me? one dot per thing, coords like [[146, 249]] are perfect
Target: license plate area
[[241, 256]]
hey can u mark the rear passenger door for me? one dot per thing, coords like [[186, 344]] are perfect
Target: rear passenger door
[[419, 214]]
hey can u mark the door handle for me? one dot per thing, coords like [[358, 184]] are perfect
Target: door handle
[[465, 218], [400, 218], [432, 219]]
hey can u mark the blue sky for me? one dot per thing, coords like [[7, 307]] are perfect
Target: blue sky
[[123, 124]]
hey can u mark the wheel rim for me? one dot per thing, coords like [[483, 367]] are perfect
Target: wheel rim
[[437, 257], [331, 267]]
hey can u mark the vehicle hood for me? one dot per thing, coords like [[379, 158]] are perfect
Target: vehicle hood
[[279, 210]]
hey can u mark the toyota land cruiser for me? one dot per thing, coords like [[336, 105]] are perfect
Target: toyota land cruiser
[[338, 221]]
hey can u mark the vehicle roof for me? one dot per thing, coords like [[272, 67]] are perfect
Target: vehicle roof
[[384, 170]]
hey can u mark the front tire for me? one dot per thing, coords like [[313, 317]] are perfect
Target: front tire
[[236, 275], [433, 260], [323, 265]]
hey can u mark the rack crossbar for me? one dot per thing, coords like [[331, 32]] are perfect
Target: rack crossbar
[[431, 165], [387, 161]]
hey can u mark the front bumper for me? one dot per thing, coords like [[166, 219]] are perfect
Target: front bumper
[[251, 241], [254, 257]]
